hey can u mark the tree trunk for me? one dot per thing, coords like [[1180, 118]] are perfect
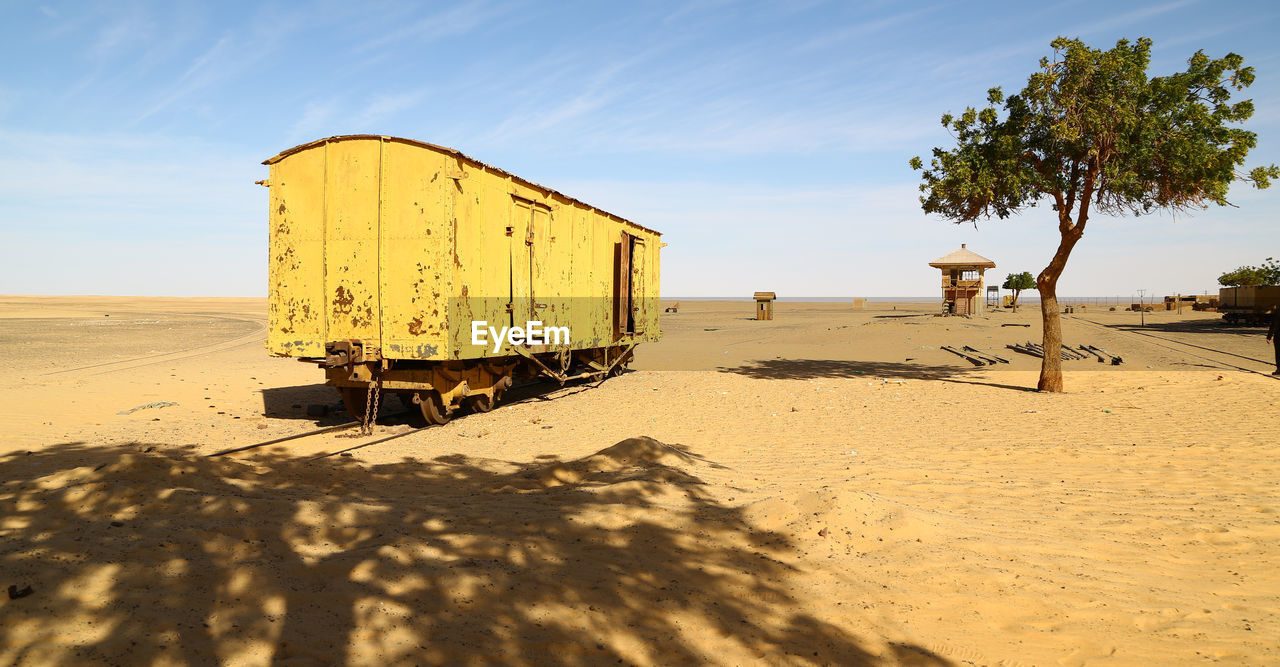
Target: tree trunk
[[1051, 365], [1047, 283]]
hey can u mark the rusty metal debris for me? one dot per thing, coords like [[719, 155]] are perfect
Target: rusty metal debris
[[1067, 353]]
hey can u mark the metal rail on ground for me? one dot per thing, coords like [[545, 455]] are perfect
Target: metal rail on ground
[[1200, 347]]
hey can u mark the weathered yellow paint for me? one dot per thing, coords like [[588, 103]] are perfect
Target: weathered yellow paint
[[351, 239], [401, 245], [295, 271]]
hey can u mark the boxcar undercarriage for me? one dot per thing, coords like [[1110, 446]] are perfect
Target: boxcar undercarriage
[[440, 389]]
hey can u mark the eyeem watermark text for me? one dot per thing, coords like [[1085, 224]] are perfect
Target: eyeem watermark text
[[532, 333]]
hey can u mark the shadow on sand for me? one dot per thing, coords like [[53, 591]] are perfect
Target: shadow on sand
[[1196, 326], [292, 402], [143, 554], [808, 369]]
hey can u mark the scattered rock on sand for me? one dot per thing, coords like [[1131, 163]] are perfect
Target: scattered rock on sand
[[148, 406]]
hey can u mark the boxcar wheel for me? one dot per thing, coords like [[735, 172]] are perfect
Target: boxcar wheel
[[480, 403], [354, 399], [433, 409]]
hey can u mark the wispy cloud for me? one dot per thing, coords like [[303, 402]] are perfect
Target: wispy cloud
[[128, 32], [721, 123], [1127, 19], [218, 62], [8, 99], [383, 107], [316, 116], [457, 20], [863, 29], [695, 8], [231, 55]]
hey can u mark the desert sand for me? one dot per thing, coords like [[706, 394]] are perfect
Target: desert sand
[[829, 487]]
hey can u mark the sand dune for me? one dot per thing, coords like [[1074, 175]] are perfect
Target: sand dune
[[787, 492]]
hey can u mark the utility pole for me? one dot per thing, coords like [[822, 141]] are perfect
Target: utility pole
[[1142, 306]]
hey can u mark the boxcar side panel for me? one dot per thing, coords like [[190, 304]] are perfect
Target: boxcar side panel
[[553, 256], [604, 238], [567, 261], [295, 268], [482, 259], [351, 240], [402, 245], [647, 315], [520, 221], [589, 298], [417, 258]]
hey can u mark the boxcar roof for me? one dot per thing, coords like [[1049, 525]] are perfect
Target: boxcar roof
[[456, 153]]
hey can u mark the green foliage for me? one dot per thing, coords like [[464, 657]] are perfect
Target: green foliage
[[1267, 274], [1091, 130], [1019, 281]]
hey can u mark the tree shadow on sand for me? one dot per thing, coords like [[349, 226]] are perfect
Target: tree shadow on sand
[[142, 554], [810, 369]]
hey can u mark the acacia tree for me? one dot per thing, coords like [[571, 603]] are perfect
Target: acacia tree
[[1018, 282], [1267, 274], [1091, 132]]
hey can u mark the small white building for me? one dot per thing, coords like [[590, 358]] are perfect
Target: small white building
[[962, 280]]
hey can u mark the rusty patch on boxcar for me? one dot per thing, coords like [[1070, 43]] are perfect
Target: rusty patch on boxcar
[[423, 351], [415, 327], [291, 314], [342, 300], [357, 321]]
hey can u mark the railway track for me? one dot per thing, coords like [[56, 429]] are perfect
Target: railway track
[[1205, 348], [517, 389], [319, 431], [177, 355]]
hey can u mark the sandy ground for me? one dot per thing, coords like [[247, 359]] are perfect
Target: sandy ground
[[826, 488]]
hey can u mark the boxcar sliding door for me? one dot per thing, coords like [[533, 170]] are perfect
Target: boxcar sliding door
[[521, 252], [543, 276], [628, 284], [638, 315]]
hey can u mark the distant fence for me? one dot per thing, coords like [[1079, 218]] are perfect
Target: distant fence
[[1105, 300], [1027, 296], [1087, 300]]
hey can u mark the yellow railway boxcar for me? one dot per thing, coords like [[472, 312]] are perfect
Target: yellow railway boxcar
[[410, 268]]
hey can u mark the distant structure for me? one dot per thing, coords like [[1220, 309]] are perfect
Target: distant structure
[[962, 280], [764, 305]]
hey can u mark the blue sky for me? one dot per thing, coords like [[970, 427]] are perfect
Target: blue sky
[[767, 141]]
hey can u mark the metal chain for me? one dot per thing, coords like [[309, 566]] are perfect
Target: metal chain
[[371, 400], [371, 407]]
